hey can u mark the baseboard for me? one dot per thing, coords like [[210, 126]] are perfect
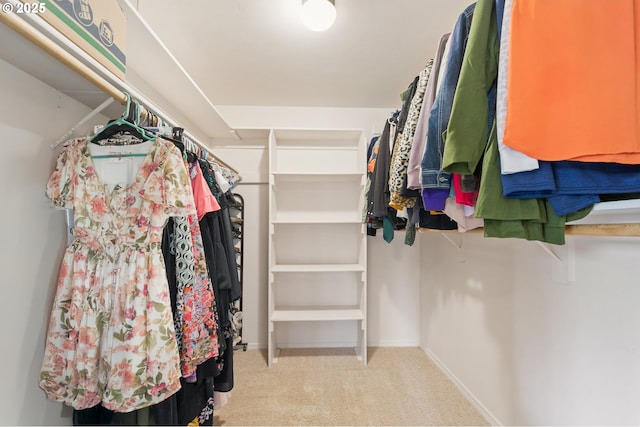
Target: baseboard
[[256, 345], [383, 343], [491, 419], [392, 343], [328, 344]]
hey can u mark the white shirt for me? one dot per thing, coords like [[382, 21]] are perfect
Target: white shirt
[[511, 161]]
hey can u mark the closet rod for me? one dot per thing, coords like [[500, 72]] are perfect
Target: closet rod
[[621, 230], [53, 49]]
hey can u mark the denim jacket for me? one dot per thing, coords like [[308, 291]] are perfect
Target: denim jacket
[[432, 175], [474, 102]]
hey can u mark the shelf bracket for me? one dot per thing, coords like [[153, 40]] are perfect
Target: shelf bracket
[[457, 244], [88, 117], [563, 261], [545, 247]]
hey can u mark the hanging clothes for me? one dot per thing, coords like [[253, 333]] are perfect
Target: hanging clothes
[[221, 254], [420, 133], [572, 73], [511, 161], [568, 185], [199, 325], [436, 182], [402, 149], [379, 212], [111, 337]]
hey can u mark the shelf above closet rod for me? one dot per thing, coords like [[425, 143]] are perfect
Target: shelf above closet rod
[[26, 31], [57, 52]]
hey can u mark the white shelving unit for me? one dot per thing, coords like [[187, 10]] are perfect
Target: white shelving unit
[[317, 240]]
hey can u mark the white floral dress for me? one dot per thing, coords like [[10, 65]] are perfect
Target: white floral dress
[[111, 337]]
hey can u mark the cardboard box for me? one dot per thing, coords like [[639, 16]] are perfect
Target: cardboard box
[[96, 26]]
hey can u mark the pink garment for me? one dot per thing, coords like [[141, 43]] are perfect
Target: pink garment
[[420, 135], [462, 198], [466, 221], [204, 199]]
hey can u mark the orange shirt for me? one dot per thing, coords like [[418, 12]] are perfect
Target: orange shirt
[[573, 79]]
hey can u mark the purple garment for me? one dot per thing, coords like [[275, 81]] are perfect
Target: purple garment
[[434, 199]]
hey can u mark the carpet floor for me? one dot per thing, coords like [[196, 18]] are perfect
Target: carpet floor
[[331, 387]]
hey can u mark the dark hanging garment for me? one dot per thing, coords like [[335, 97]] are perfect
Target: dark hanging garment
[[166, 413], [379, 206], [160, 414], [217, 265], [224, 381], [221, 245], [97, 416], [406, 192], [227, 240], [226, 231], [378, 203], [406, 97], [217, 257], [437, 221], [169, 255], [195, 400]]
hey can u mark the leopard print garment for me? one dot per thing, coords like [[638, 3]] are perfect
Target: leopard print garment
[[402, 147]]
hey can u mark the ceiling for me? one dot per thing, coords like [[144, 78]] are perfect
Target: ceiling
[[258, 53], [255, 53]]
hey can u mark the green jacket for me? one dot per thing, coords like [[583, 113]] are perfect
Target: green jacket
[[466, 143], [466, 136]]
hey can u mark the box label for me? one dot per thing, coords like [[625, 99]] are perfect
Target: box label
[[97, 31]]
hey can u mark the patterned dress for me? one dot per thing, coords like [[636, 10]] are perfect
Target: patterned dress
[[111, 337]]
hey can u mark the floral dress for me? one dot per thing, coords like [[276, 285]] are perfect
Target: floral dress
[[111, 337]]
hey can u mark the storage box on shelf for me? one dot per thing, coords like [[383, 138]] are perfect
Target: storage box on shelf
[[98, 27], [317, 241]]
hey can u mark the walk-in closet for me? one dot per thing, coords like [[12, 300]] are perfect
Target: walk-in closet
[[415, 212]]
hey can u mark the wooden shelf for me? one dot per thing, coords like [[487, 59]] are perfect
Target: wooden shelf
[[324, 175], [319, 220], [314, 147], [313, 314], [316, 268]]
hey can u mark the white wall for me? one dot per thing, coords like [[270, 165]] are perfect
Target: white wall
[[393, 273], [32, 239], [371, 120], [528, 349]]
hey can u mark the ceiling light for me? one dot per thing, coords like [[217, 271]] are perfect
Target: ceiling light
[[318, 15]]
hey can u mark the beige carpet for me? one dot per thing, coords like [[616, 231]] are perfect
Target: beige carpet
[[399, 386]]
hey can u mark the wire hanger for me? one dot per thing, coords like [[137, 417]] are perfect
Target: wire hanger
[[127, 124]]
